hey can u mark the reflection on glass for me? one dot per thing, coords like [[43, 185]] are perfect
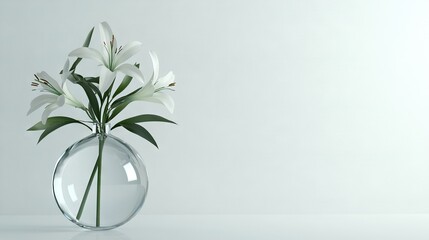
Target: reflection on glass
[[72, 192], [131, 173], [59, 194], [123, 183]]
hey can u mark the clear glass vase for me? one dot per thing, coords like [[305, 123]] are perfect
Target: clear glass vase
[[100, 182]]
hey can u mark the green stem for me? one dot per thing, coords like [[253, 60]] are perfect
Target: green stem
[[97, 168], [102, 117], [101, 139], [88, 187]]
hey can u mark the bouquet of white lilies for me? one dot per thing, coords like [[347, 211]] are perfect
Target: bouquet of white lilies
[[104, 92], [106, 98]]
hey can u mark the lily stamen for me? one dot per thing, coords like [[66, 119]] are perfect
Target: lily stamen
[[112, 41], [105, 47], [120, 49]]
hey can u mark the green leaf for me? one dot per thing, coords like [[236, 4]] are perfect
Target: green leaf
[[143, 118], [95, 89], [37, 127], [141, 131], [108, 91], [119, 104], [52, 124], [88, 38], [88, 88], [124, 84], [85, 44], [123, 99], [117, 110], [92, 79], [88, 81], [91, 113]]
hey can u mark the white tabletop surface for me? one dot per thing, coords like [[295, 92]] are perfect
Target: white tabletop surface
[[224, 227]]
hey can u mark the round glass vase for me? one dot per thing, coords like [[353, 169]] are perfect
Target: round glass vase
[[100, 182]]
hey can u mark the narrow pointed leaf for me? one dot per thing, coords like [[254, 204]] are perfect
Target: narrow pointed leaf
[[143, 118], [88, 38], [52, 124], [117, 110], [75, 63], [141, 131], [91, 97], [95, 89], [93, 79], [85, 44], [91, 113], [108, 91], [123, 99], [38, 126], [124, 84]]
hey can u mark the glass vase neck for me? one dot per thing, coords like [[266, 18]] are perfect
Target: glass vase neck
[[100, 128]]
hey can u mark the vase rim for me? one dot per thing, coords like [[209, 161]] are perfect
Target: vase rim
[[99, 128]]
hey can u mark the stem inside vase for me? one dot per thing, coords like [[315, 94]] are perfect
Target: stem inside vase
[[100, 154], [97, 168]]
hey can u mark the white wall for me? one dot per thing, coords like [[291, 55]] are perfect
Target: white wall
[[283, 106]]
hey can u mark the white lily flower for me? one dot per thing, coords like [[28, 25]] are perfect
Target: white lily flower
[[53, 102], [65, 73], [152, 91], [57, 95], [51, 107], [70, 99], [111, 58], [45, 83]]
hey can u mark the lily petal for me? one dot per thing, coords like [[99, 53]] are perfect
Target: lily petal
[[70, 99], [106, 79], [130, 70], [51, 107], [126, 52], [163, 98], [106, 33], [155, 63], [106, 37], [143, 94], [40, 101], [165, 81], [146, 92], [90, 53], [44, 75], [65, 73]]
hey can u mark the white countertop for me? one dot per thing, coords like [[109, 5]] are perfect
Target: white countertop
[[207, 227]]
